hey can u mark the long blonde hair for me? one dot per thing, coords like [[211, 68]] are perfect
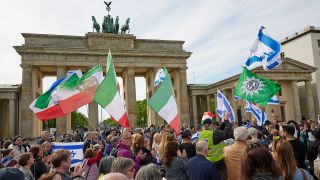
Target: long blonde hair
[[285, 159]]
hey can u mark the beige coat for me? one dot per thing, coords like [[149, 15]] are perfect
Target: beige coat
[[233, 157]]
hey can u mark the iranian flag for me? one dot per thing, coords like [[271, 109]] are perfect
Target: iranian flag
[[163, 101], [44, 106], [108, 95], [74, 94]]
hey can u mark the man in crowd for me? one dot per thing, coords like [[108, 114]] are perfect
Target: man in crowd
[[199, 167], [44, 137], [88, 142]]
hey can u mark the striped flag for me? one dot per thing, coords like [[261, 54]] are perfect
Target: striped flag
[[44, 106], [274, 100], [163, 101], [265, 51], [75, 149], [74, 94], [257, 113], [108, 95], [224, 106]]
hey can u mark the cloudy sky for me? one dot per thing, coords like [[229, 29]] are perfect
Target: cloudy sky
[[218, 33]]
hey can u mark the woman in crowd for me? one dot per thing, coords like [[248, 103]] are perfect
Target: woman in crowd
[[105, 165], [285, 160], [139, 144], [26, 161], [91, 161], [17, 147], [124, 166], [155, 146], [175, 166], [149, 172], [258, 163], [39, 167], [8, 158]]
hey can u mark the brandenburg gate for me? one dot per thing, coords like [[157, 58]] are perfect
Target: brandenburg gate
[[53, 55]]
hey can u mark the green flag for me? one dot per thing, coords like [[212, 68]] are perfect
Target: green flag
[[255, 88]]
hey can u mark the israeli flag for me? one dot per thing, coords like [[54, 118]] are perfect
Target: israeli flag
[[257, 113], [274, 100], [224, 106], [265, 51], [195, 137], [75, 149]]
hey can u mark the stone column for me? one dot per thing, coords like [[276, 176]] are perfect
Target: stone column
[[12, 119], [208, 102], [310, 103], [296, 102], [184, 100], [93, 119], [130, 95], [26, 99], [151, 115], [195, 109], [177, 94], [62, 122]]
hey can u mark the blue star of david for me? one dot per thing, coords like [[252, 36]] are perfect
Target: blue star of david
[[73, 153]]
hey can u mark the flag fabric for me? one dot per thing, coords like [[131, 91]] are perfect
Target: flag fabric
[[163, 101], [257, 113], [44, 106], [224, 106], [72, 95], [265, 51], [274, 100], [108, 95], [254, 88], [195, 137], [207, 115], [75, 149]]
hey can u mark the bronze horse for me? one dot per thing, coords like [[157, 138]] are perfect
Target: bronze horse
[[96, 26], [125, 27]]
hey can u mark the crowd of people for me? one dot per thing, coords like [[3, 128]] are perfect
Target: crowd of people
[[210, 150]]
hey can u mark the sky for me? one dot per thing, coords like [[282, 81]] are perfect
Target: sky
[[218, 33]]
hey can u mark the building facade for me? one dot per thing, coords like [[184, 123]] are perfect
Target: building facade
[[304, 46]]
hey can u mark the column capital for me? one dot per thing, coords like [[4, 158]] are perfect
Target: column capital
[[24, 66]]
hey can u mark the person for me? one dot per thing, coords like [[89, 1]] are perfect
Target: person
[[253, 134], [258, 164], [186, 143], [105, 165], [61, 162], [39, 167], [198, 167], [194, 137], [149, 172], [266, 130], [124, 166], [215, 140], [139, 145], [299, 149], [25, 161], [155, 146], [91, 162], [11, 173], [285, 160], [87, 143], [124, 149], [174, 163], [316, 169], [43, 137], [17, 147], [233, 154], [114, 176], [8, 160], [25, 144], [46, 146]]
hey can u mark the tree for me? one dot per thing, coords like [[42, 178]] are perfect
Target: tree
[[78, 120], [142, 112], [110, 122]]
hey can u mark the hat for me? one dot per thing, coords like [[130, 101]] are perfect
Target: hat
[[11, 173], [292, 121], [267, 122], [206, 121], [96, 146]]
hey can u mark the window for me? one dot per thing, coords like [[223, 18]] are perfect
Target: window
[[280, 92], [318, 42], [282, 55]]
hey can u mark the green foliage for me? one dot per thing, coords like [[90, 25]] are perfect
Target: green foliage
[[110, 122], [78, 120], [142, 113]]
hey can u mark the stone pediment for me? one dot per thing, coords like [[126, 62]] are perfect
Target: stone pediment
[[289, 64]]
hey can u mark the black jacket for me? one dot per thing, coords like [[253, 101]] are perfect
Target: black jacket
[[224, 132], [38, 168]]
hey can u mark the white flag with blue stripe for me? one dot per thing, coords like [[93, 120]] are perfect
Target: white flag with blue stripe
[[75, 149], [274, 100], [257, 113], [224, 106], [265, 51]]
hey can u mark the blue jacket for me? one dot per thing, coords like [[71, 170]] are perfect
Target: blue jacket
[[199, 168]]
